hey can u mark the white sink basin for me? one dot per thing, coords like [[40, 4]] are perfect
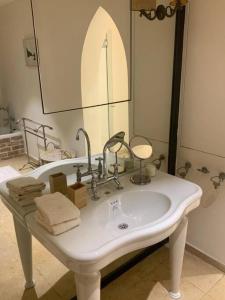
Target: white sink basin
[[132, 209]]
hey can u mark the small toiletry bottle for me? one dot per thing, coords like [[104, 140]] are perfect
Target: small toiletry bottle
[[151, 170]]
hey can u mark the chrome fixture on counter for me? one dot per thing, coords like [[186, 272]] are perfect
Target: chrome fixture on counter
[[162, 11], [204, 170], [114, 144], [81, 130], [183, 171], [39, 132], [158, 161], [218, 180], [100, 175], [141, 148], [8, 121]]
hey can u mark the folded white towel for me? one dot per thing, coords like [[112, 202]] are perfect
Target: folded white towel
[[56, 209], [26, 202], [23, 185], [27, 196], [59, 228]]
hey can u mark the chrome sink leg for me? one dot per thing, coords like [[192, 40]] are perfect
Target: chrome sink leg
[[88, 286], [177, 247]]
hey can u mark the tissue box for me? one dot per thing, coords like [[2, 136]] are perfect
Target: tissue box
[[58, 183], [78, 194]]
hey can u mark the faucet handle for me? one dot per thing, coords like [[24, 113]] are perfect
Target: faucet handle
[[100, 167], [116, 168], [78, 166], [94, 186], [115, 165], [99, 159], [79, 175]]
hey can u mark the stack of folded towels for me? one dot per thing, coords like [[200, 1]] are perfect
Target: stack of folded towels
[[25, 189], [56, 213]]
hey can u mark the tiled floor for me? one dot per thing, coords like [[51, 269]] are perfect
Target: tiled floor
[[149, 280]]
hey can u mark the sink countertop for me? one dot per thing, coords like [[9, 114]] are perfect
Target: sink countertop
[[92, 241]]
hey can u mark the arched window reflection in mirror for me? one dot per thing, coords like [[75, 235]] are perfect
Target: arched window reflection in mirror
[[104, 78]]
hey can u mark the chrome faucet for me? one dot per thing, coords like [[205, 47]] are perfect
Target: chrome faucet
[[100, 176], [118, 138], [89, 171]]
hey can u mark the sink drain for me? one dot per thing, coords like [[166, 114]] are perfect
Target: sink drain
[[123, 226]]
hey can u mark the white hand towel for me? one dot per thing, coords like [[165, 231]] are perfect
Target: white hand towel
[[24, 185], [57, 229], [56, 209], [26, 202], [27, 196]]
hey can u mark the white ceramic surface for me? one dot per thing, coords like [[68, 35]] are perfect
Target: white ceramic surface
[[5, 133], [98, 236], [150, 214], [126, 209]]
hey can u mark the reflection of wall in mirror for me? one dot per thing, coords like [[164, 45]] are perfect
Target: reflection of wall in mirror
[[104, 69], [104, 77], [60, 60], [153, 52], [21, 87]]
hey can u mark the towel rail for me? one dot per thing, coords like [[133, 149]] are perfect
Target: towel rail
[[39, 132]]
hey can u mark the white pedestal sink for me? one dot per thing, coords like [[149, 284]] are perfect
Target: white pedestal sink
[[119, 223]]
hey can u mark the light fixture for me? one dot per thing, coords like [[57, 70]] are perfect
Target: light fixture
[[161, 11]]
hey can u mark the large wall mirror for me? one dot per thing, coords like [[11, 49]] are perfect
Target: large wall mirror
[[84, 52], [98, 67]]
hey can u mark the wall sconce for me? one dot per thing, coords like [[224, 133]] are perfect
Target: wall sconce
[[151, 11]]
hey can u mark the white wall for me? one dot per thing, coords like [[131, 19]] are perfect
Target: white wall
[[64, 34], [153, 52], [153, 56], [202, 121], [21, 87], [1, 96], [104, 78]]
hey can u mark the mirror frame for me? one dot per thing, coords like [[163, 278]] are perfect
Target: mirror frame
[[92, 106], [176, 89]]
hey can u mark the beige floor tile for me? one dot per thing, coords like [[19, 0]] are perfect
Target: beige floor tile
[[206, 297], [51, 295], [47, 264], [65, 286], [12, 285], [140, 282], [218, 291], [189, 292], [200, 273], [17, 163]]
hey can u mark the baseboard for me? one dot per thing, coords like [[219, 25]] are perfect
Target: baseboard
[[190, 248]]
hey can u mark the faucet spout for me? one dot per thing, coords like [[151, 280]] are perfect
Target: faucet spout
[[88, 146]]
